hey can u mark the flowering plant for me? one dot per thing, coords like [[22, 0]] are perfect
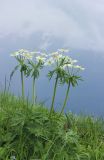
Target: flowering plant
[[35, 65], [65, 71], [21, 56]]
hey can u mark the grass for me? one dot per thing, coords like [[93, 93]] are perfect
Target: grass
[[27, 133]]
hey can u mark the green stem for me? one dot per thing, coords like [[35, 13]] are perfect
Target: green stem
[[54, 94], [22, 82], [33, 92], [66, 98]]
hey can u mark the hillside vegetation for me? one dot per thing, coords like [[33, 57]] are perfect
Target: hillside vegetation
[[27, 132]]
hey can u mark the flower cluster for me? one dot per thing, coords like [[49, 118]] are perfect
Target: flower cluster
[[63, 68], [22, 54], [57, 58]]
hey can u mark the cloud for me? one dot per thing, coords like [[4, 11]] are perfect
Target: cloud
[[79, 24]]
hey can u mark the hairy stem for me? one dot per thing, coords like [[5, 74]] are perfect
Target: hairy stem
[[54, 94], [22, 82], [66, 98], [33, 92]]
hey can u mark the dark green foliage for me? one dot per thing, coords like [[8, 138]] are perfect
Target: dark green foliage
[[14, 70], [28, 133], [34, 69]]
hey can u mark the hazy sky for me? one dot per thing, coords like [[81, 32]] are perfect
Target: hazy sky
[[78, 24]]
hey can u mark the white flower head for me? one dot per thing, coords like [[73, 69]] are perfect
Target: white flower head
[[15, 54], [49, 62], [79, 67], [63, 50], [56, 56], [67, 59], [40, 58], [67, 66], [22, 53], [27, 56], [74, 61]]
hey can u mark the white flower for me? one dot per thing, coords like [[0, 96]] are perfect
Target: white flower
[[63, 50], [67, 65], [60, 56], [27, 56], [78, 67], [82, 68], [56, 56], [49, 62], [40, 58], [70, 65], [22, 52], [15, 54], [67, 59], [74, 61], [19, 53]]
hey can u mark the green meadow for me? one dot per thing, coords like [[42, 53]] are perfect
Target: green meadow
[[28, 133]]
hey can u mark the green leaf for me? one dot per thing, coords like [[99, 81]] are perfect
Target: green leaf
[[50, 74], [14, 70], [28, 72]]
